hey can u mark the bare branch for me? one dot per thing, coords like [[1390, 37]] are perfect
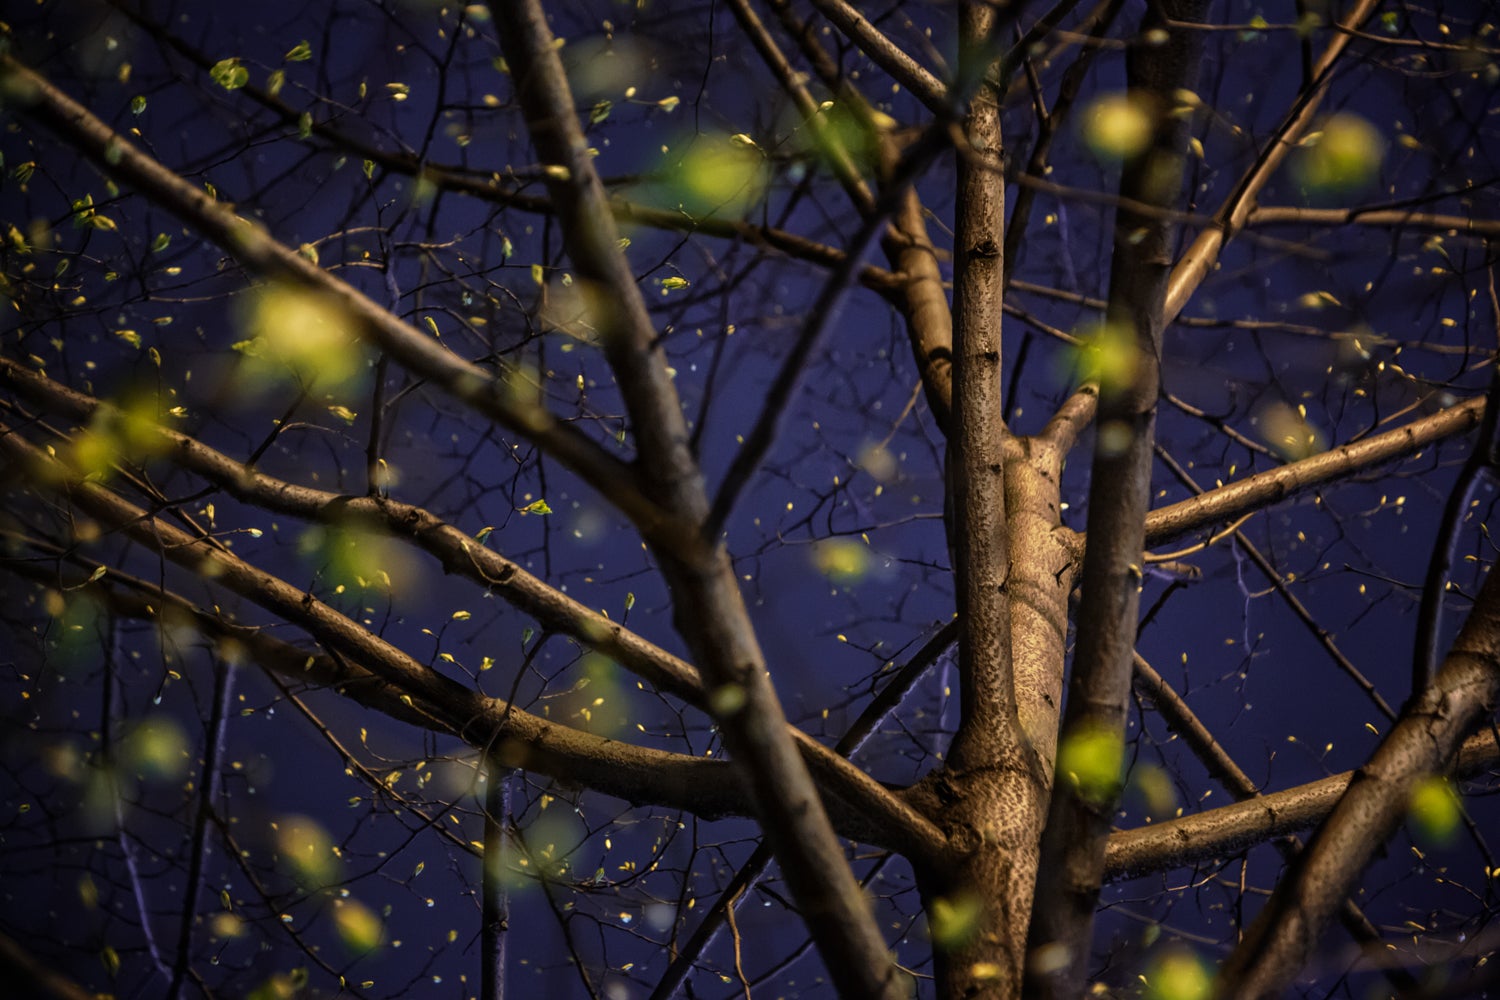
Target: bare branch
[[812, 116], [819, 318], [889, 56], [264, 256], [1385, 218], [1274, 485], [461, 554], [1422, 744], [1306, 617], [976, 435], [710, 612], [1199, 259], [1216, 835], [1484, 457], [1078, 822], [521, 739]]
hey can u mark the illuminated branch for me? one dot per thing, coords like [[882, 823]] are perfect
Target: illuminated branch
[[1078, 821], [889, 56], [1203, 254], [1263, 489], [1216, 835], [1423, 743]]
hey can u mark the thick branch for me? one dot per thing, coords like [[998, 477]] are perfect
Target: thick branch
[[521, 739], [1219, 834], [976, 437], [461, 554], [1073, 846], [1422, 744], [627, 334], [1266, 488], [709, 610]]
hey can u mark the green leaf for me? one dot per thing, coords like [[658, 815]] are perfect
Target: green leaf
[[275, 82], [1178, 974], [305, 125], [673, 283], [369, 169], [954, 922], [1091, 759], [345, 414], [137, 104], [600, 112], [360, 930], [161, 242], [536, 507], [301, 52], [229, 74], [1435, 810]]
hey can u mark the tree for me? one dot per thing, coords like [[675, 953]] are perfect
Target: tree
[[493, 490]]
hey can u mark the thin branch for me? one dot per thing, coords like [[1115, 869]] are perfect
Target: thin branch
[[213, 751], [1484, 457], [828, 142], [462, 554], [889, 56], [709, 609], [1263, 489], [1222, 768], [487, 186], [1215, 835], [819, 319], [1306, 617], [1199, 259], [748, 874], [1457, 225], [264, 256], [521, 739], [494, 915], [1422, 744]]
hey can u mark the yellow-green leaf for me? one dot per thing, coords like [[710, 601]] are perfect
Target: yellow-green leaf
[[229, 74]]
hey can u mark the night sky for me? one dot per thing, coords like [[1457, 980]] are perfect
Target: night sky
[[1314, 334]]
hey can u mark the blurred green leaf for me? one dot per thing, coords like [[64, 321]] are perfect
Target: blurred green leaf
[[229, 74]]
